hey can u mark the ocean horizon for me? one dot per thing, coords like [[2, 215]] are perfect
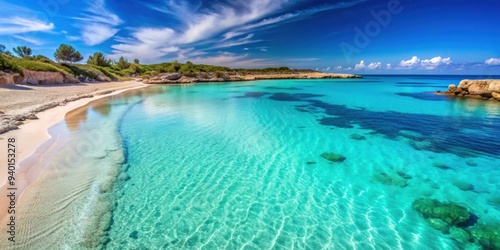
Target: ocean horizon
[[270, 164]]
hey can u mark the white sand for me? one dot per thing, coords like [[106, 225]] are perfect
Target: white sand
[[33, 133]]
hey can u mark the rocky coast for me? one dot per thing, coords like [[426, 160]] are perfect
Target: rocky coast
[[488, 89]]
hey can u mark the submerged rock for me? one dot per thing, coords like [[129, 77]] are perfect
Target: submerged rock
[[487, 235], [494, 201], [357, 137], [463, 185], [460, 235], [438, 224], [450, 213], [391, 180], [441, 165], [404, 175], [333, 157]]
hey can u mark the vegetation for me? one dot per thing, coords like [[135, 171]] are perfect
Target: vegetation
[[98, 59], [100, 68], [22, 51], [6, 64], [66, 53], [122, 63]]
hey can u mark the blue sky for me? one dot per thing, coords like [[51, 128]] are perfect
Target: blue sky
[[348, 36]]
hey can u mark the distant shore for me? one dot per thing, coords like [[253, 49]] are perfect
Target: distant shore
[[173, 78]]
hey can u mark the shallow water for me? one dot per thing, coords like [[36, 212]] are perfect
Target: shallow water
[[239, 166]]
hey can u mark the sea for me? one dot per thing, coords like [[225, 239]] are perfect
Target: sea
[[244, 165]]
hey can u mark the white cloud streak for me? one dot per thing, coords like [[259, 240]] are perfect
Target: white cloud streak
[[426, 64], [98, 24], [19, 25]]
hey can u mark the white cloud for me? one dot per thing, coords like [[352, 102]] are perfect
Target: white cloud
[[377, 65], [414, 61], [426, 64], [98, 24], [245, 48], [372, 66], [18, 25], [96, 33], [360, 65], [29, 39], [492, 61], [349, 68], [388, 66], [430, 64], [201, 24], [327, 68], [338, 68]]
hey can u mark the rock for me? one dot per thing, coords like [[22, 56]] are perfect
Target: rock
[[32, 117], [333, 157], [438, 224], [357, 137], [471, 164], [404, 175], [496, 95], [460, 235], [452, 87], [42, 77], [488, 235], [480, 87], [440, 165], [391, 180], [494, 201], [450, 213], [171, 76], [462, 185]]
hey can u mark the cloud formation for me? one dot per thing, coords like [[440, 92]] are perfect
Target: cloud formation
[[19, 25], [372, 66], [492, 61], [426, 64], [98, 24]]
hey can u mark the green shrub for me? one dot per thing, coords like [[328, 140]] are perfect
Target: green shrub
[[6, 64], [31, 64]]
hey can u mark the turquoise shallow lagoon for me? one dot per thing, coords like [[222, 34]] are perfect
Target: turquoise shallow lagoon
[[239, 165]]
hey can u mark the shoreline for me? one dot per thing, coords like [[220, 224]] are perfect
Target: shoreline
[[31, 136]]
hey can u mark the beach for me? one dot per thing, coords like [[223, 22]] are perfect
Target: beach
[[31, 135]]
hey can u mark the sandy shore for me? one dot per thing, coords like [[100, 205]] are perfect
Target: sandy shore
[[21, 99]]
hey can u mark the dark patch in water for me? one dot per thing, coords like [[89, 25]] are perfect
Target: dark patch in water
[[439, 133], [287, 97], [424, 96], [422, 86], [253, 95], [134, 235], [242, 86], [414, 83], [310, 162], [470, 222], [283, 88]]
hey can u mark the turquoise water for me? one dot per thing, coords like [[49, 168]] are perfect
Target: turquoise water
[[239, 166]]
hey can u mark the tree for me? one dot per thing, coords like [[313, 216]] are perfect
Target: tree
[[99, 60], [123, 63], [136, 61], [2, 49], [22, 51], [66, 53]]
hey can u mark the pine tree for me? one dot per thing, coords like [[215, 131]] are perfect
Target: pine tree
[[66, 53]]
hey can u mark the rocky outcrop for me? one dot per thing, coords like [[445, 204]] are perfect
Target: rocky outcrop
[[173, 78], [9, 78], [481, 89], [42, 77]]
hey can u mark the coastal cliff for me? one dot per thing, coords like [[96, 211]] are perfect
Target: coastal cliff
[[174, 78], [488, 89]]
